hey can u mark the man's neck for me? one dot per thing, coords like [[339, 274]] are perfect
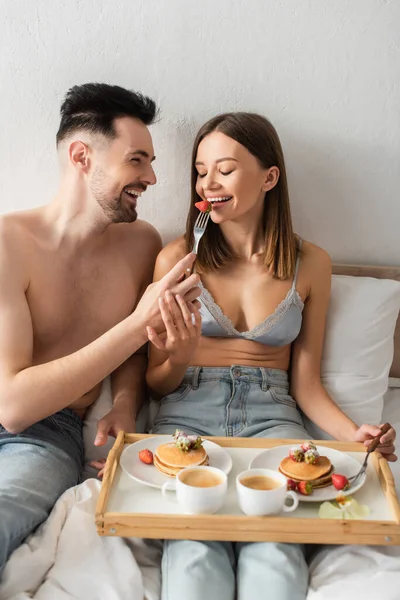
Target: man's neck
[[75, 218]]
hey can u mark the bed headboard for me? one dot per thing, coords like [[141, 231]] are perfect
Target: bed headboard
[[378, 273]]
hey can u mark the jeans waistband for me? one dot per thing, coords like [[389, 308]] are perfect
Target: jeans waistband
[[261, 375]]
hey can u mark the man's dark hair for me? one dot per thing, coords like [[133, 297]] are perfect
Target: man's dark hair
[[93, 107]]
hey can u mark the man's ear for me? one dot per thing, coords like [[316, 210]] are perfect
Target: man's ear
[[79, 155]]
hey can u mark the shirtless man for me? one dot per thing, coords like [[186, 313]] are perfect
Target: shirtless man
[[75, 301]]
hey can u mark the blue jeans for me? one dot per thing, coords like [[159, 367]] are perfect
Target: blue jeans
[[36, 467], [245, 402]]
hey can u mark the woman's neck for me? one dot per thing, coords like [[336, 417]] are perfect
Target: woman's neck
[[245, 236]]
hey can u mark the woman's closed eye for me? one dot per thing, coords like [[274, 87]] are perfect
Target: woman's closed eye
[[225, 173]]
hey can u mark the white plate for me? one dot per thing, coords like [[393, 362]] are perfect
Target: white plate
[[342, 462], [149, 475]]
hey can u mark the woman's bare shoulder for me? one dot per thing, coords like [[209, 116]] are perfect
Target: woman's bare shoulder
[[315, 258], [170, 255]]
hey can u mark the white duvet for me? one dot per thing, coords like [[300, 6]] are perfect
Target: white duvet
[[66, 560]]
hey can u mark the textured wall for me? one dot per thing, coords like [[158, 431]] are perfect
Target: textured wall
[[325, 72]]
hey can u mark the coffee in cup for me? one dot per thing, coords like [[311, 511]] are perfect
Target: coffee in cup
[[264, 492], [260, 482], [199, 490], [201, 478]]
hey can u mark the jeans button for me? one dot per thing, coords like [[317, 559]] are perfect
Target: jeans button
[[236, 372]]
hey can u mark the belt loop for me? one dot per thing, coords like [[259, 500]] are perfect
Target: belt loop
[[195, 378], [264, 383]]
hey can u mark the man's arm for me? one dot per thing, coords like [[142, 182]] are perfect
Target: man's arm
[[128, 383], [30, 393]]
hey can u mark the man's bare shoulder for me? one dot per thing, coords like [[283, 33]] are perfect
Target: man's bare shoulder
[[15, 247], [14, 230], [140, 242], [140, 234], [15, 225]]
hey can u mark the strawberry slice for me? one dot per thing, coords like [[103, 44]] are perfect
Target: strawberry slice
[[340, 481], [204, 206], [304, 488], [146, 456], [292, 485]]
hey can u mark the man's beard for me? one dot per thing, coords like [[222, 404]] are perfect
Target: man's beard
[[115, 210]]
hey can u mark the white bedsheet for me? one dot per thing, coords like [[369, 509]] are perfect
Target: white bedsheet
[[351, 572]]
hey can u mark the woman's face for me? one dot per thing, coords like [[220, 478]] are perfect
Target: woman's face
[[231, 178]]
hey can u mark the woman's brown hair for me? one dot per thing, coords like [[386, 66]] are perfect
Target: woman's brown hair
[[259, 136]]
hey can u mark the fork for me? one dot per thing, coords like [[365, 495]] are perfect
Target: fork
[[373, 445], [198, 230]]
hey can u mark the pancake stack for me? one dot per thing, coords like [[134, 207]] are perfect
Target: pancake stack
[[185, 451], [305, 464], [169, 459], [319, 474]]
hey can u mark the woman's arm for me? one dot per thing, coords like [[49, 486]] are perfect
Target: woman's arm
[[169, 357], [306, 385]]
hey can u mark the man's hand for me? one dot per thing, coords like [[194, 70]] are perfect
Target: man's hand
[[118, 419], [148, 309]]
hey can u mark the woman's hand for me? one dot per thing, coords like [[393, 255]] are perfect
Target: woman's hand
[[183, 329], [148, 308], [366, 433]]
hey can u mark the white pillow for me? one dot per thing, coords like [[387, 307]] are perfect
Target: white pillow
[[358, 349]]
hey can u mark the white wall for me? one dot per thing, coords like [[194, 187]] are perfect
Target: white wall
[[326, 72]]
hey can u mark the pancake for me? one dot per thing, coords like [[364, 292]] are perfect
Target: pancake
[[318, 483], [301, 471], [169, 459], [172, 471], [172, 456]]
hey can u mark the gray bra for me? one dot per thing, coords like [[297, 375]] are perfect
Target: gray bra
[[279, 329]]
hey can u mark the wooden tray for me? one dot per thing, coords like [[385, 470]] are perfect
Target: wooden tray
[[150, 516]]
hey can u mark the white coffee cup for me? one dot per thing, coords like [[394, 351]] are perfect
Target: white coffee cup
[[256, 502], [197, 500]]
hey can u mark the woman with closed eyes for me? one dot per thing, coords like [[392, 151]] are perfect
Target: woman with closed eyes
[[247, 363]]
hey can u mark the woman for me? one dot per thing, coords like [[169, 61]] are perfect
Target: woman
[[224, 371]]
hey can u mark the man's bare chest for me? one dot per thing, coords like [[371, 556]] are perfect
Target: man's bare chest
[[73, 304]]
